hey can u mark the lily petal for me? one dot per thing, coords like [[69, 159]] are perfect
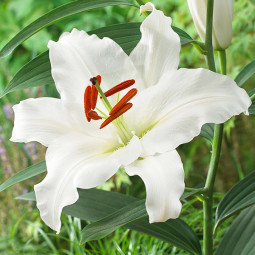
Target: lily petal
[[77, 57], [77, 161], [41, 120], [173, 112], [159, 48], [163, 177]]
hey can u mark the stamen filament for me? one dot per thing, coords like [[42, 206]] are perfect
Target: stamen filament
[[123, 101], [101, 112], [123, 85], [105, 100], [121, 111]]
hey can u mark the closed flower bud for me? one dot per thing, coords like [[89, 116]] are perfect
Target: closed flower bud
[[222, 21]]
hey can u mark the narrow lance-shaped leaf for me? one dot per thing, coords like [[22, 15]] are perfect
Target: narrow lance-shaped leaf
[[55, 15], [24, 175], [252, 96], [239, 197], [240, 238], [38, 71], [94, 205], [245, 74]]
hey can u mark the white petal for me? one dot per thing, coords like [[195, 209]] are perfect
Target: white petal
[[77, 161], [163, 177], [41, 120], [158, 50], [173, 112], [77, 57]]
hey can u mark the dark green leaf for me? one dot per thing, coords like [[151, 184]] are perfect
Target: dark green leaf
[[94, 205], [245, 74], [127, 214], [185, 38], [24, 175], [207, 131], [239, 197], [35, 73], [252, 107], [55, 15], [240, 238], [38, 71]]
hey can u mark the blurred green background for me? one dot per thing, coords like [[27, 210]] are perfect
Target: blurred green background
[[21, 230]]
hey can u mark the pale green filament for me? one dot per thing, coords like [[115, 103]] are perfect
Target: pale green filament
[[123, 131]]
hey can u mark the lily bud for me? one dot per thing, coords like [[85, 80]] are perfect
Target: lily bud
[[222, 21]]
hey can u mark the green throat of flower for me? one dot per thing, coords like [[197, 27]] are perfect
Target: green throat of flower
[[115, 114]]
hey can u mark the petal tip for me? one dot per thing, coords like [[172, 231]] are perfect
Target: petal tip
[[147, 7]]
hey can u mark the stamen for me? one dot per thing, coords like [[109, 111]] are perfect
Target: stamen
[[93, 115], [94, 95], [123, 85], [124, 108], [123, 101], [87, 102]]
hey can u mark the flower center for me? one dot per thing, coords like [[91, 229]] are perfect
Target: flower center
[[115, 114]]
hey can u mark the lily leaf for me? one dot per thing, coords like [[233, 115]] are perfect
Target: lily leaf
[[252, 107], [24, 175], [245, 74], [38, 71], [239, 197], [207, 131], [94, 205], [240, 238], [55, 15]]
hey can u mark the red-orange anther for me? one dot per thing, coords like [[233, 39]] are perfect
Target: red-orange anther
[[94, 95], [119, 87], [98, 79], [87, 102], [93, 115], [123, 101], [124, 108]]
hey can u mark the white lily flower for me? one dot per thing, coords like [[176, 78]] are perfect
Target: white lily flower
[[222, 21], [169, 109]]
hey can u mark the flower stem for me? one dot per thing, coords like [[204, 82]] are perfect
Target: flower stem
[[217, 140]]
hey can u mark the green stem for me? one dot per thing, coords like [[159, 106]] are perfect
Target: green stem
[[216, 146]]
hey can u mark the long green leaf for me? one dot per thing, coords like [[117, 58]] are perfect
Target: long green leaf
[[245, 74], [240, 238], [94, 205], [38, 71], [55, 15], [239, 197], [207, 131], [132, 215], [127, 214], [24, 175], [252, 107]]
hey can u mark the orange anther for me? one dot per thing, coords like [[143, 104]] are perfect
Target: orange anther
[[123, 101], [94, 95], [98, 79], [124, 108], [93, 115], [119, 87], [87, 102]]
